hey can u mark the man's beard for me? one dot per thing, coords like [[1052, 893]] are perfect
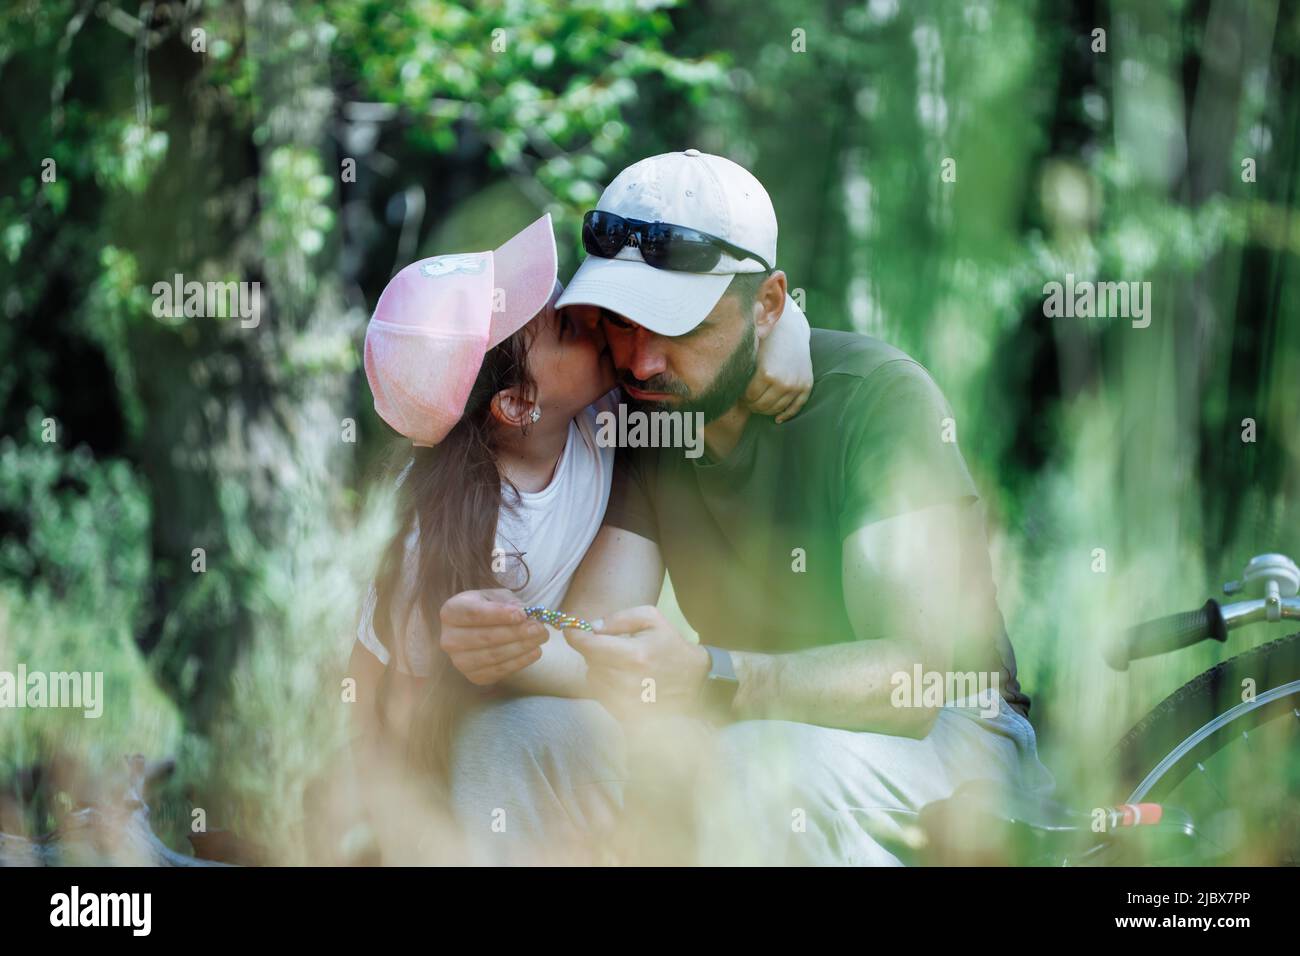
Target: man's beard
[[726, 389]]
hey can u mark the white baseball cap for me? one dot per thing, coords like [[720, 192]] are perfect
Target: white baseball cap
[[692, 189]]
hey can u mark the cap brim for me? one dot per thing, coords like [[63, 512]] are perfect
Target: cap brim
[[665, 302], [524, 270]]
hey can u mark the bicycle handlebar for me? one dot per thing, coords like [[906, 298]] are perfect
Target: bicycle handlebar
[[1191, 627], [1168, 634]]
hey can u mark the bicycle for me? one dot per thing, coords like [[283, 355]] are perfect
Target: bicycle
[[1173, 766]]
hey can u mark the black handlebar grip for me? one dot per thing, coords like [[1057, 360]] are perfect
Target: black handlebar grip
[[1168, 634]]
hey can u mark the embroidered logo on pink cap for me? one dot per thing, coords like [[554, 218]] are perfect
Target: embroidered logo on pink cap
[[437, 318]]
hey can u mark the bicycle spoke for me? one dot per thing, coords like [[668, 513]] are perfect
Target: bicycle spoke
[[1181, 796], [1223, 801]]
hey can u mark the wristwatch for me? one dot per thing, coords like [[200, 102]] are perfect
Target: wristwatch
[[721, 684]]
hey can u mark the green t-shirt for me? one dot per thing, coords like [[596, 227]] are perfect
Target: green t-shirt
[[753, 541]]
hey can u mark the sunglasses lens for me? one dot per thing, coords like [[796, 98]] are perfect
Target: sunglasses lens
[[603, 234], [665, 246], [662, 245]]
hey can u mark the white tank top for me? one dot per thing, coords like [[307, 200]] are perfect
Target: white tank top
[[550, 529]]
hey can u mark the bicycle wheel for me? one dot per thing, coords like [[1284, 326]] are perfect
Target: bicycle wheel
[[1226, 747]]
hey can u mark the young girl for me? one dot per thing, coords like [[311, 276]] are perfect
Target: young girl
[[506, 486]]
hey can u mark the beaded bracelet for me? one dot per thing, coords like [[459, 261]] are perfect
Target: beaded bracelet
[[557, 619]]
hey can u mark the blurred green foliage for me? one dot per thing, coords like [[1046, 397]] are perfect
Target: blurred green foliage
[[465, 122], [83, 524]]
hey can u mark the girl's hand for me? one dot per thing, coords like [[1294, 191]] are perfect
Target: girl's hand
[[784, 378], [487, 635]]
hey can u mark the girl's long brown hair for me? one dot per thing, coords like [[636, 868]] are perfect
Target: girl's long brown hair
[[452, 496]]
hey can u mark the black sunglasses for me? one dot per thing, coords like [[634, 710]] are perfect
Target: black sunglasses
[[662, 245]]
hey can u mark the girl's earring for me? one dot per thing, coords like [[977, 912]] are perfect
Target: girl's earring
[[535, 414]]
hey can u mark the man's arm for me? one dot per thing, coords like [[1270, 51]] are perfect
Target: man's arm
[[900, 579], [911, 558]]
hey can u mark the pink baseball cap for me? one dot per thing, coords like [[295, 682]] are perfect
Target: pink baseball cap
[[436, 320]]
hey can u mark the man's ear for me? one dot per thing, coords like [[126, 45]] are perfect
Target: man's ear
[[510, 408], [769, 304]]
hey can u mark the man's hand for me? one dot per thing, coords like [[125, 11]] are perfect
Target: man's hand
[[634, 646], [487, 635]]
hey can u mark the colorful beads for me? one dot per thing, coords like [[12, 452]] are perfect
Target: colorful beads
[[556, 619]]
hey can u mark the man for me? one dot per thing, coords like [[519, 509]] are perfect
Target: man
[[835, 567]]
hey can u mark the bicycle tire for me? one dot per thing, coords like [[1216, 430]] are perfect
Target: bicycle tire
[[1199, 718]]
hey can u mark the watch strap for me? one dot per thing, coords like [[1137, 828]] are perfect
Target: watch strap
[[721, 683]]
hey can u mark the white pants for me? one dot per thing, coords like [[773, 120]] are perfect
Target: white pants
[[549, 779]]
